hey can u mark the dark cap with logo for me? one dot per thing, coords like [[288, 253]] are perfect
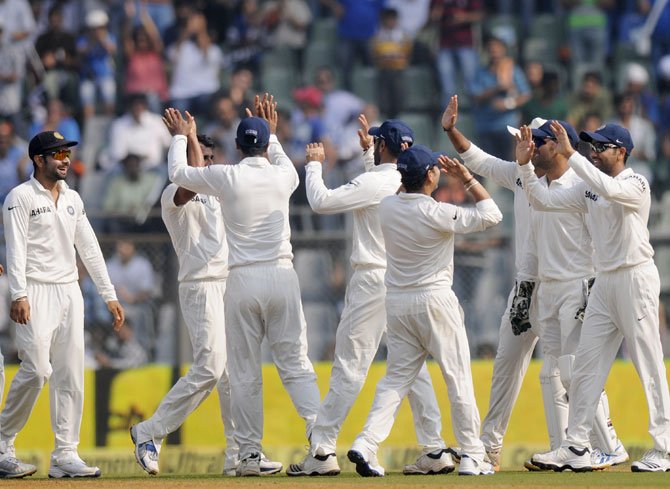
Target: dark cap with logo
[[46, 141], [545, 131], [394, 132], [253, 132], [415, 162], [610, 133]]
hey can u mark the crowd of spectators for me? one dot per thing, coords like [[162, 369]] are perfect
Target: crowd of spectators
[[101, 72]]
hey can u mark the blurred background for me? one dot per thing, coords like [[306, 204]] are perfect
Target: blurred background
[[101, 72]]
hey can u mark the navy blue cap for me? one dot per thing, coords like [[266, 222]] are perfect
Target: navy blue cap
[[610, 133], [415, 162], [545, 131], [253, 132], [47, 140], [394, 132]]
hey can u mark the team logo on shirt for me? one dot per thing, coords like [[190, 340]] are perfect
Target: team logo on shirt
[[518, 182], [591, 195], [70, 210], [197, 198], [40, 210]]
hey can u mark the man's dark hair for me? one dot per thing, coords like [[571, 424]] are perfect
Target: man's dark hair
[[253, 150], [595, 75], [206, 141], [413, 184]]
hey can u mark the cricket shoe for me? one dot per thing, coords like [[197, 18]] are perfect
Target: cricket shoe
[[145, 453], [493, 457], [268, 467], [437, 462], [12, 468], [528, 464], [564, 458], [455, 453], [71, 468], [250, 466], [601, 460], [652, 461], [230, 466], [471, 466], [315, 465], [366, 462]]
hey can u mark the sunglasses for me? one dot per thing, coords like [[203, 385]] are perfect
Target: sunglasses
[[539, 142], [59, 155], [600, 147]]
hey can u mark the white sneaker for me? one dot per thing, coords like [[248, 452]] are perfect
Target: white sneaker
[[250, 466], [531, 466], [455, 453], [493, 457], [315, 465], [471, 466], [437, 462], [565, 458], [145, 453], [653, 461], [230, 466], [601, 460], [365, 467], [73, 467], [268, 467], [12, 468]]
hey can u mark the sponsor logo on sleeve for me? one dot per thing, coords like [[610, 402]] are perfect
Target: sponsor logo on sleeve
[[591, 195]]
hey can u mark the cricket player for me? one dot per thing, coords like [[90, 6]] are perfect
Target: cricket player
[[424, 317], [363, 319], [623, 302], [263, 295], [45, 222]]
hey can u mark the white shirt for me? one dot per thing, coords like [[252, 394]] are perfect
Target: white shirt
[[362, 195], [506, 174], [149, 138], [562, 239], [194, 72], [198, 236], [419, 235], [41, 238], [254, 198], [619, 209]]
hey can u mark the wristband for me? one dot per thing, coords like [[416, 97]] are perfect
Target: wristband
[[448, 130], [21, 299], [471, 185]]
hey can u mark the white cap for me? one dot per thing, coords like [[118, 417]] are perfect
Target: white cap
[[534, 124], [664, 67], [96, 18], [636, 73]]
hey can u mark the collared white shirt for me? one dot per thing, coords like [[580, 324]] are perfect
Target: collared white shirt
[[562, 239], [619, 209], [198, 236], [362, 196], [419, 235], [254, 198], [147, 138], [506, 174], [41, 237]]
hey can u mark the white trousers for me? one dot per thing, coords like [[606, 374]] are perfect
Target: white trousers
[[361, 327], [51, 348], [423, 323], [622, 304], [264, 300], [203, 310], [509, 368]]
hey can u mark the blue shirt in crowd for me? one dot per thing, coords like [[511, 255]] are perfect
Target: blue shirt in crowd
[[360, 19]]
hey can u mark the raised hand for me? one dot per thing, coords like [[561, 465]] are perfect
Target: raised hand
[[266, 108], [364, 138], [524, 145], [563, 142], [191, 121], [176, 124], [454, 168], [315, 152], [450, 114]]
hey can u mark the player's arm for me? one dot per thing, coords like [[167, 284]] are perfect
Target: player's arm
[[350, 196], [15, 213], [89, 251], [367, 143], [502, 172], [195, 159]]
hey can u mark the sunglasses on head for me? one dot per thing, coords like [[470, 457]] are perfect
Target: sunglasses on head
[[597, 147], [60, 154], [541, 141]]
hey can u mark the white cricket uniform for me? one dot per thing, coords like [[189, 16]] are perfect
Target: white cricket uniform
[[41, 237], [263, 295], [514, 352], [424, 317], [199, 239], [363, 319], [624, 300]]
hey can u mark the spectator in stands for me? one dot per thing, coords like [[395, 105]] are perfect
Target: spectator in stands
[[58, 118], [12, 74], [547, 101], [139, 132], [122, 351], [223, 128], [661, 168], [534, 72], [57, 50], [143, 48], [246, 37], [161, 12], [183, 10], [18, 20], [127, 192], [13, 160], [499, 91], [97, 49], [358, 22], [645, 102], [412, 14], [340, 107], [291, 19], [641, 131], [457, 52], [660, 38], [307, 121], [241, 82], [587, 31], [592, 98], [391, 49], [664, 93], [196, 68]]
